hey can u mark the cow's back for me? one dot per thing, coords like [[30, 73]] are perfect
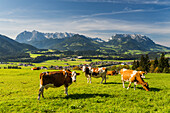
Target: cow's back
[[127, 74], [56, 78]]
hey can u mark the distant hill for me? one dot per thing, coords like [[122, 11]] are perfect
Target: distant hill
[[77, 43], [74, 42], [9, 46]]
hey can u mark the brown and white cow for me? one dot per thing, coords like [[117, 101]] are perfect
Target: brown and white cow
[[96, 73], [111, 73], [35, 68], [56, 79], [133, 76]]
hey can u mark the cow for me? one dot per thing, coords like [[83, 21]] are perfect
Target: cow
[[142, 72], [133, 76], [96, 73], [111, 73], [56, 79], [35, 68]]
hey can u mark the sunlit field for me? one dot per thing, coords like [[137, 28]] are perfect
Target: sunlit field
[[19, 92]]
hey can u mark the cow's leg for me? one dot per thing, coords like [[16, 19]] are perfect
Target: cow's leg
[[66, 90], [102, 80], [129, 85], [135, 83], [89, 78], [123, 83], [41, 90]]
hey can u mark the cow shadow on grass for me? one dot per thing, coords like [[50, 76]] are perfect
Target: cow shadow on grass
[[112, 83], [80, 96], [83, 96], [151, 89], [146, 78]]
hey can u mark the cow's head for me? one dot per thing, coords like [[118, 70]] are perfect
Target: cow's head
[[73, 76], [142, 73], [146, 86]]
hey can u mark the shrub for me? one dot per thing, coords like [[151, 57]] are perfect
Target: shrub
[[156, 70], [113, 67], [76, 68], [140, 69], [166, 70], [151, 68]]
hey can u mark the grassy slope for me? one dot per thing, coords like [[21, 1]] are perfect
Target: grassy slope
[[19, 91]]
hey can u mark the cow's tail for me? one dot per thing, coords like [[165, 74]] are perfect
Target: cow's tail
[[41, 75], [42, 78]]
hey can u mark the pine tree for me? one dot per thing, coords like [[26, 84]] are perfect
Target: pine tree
[[161, 63], [147, 63], [155, 62], [142, 61], [137, 64], [166, 64], [134, 65]]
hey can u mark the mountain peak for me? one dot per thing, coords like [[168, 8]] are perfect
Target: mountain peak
[[27, 36], [137, 37]]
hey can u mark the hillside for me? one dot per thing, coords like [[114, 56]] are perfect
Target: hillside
[[77, 43], [9, 46]]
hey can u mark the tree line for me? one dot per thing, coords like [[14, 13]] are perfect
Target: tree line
[[160, 65]]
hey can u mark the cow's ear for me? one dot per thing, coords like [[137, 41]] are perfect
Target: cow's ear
[[78, 74]]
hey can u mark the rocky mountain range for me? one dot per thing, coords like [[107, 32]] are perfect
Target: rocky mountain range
[[76, 42], [26, 36]]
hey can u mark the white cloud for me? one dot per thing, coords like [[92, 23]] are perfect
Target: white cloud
[[93, 27], [111, 13]]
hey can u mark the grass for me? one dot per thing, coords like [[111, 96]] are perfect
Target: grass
[[35, 55], [167, 55], [19, 91], [135, 52], [61, 63]]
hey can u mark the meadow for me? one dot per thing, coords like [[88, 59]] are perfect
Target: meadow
[[19, 92]]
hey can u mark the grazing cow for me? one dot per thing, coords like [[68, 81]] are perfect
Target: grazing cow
[[35, 68], [111, 73], [142, 72], [56, 79], [96, 73], [133, 76]]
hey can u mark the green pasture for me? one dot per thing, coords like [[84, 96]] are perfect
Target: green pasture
[[61, 63], [34, 55], [167, 55], [19, 92]]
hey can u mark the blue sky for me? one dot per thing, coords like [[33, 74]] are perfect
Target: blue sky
[[93, 18]]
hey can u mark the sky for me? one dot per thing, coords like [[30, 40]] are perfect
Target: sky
[[93, 18]]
